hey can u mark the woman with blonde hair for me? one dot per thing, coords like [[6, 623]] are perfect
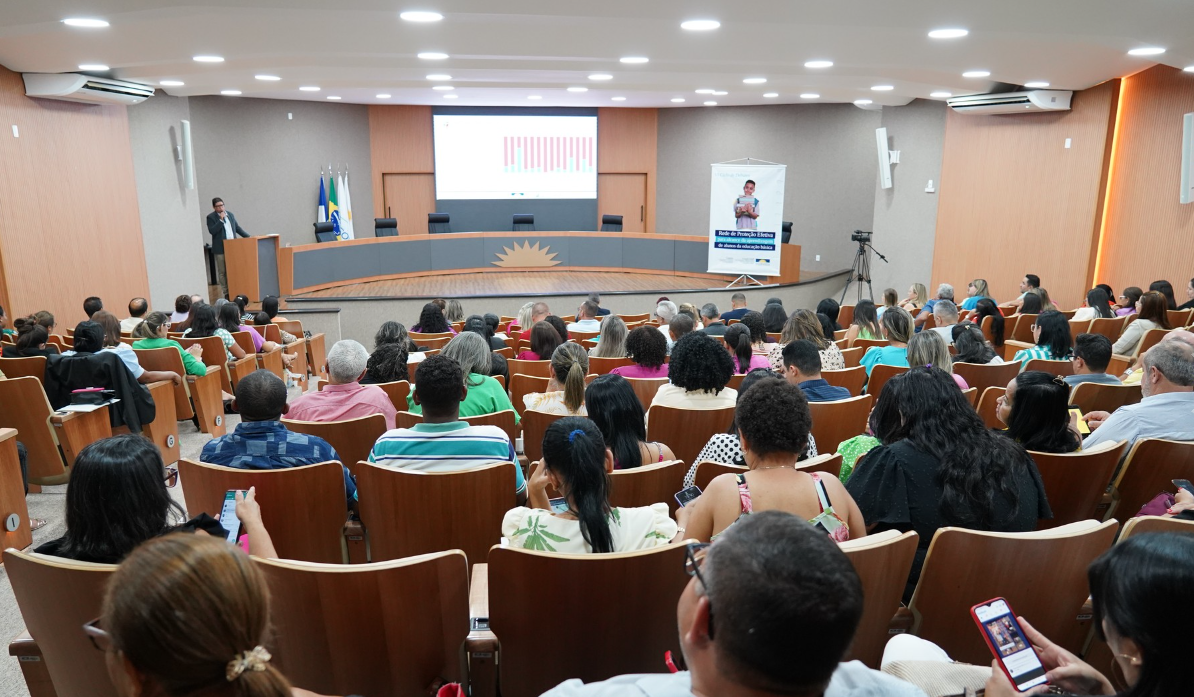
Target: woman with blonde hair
[[611, 343], [929, 349], [918, 295], [523, 320], [978, 291], [803, 324], [566, 389]]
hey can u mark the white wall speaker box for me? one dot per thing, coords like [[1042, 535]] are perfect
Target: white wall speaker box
[[1187, 195], [188, 156], [884, 158]]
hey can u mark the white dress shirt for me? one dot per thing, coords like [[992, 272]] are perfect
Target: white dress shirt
[[228, 233], [1169, 415]]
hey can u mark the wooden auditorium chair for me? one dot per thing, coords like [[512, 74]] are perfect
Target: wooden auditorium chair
[[986, 375], [352, 439], [1150, 468], [852, 357], [686, 431], [645, 389], [851, 378], [880, 374], [31, 367], [988, 407], [215, 356], [534, 427], [522, 384], [883, 562], [1151, 523], [537, 369], [24, 406], [602, 366], [647, 484], [840, 420], [12, 493], [1058, 368], [971, 395], [1090, 396], [1111, 327], [1076, 482], [266, 360], [199, 395]]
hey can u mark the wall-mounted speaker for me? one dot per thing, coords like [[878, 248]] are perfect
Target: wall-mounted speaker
[[884, 158], [1187, 195], [188, 157]]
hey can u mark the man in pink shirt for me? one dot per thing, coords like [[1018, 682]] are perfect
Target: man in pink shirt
[[345, 397]]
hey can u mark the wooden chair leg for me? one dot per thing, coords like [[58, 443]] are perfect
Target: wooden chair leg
[[209, 406], [163, 430]]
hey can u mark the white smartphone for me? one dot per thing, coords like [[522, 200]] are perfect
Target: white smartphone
[[228, 519]]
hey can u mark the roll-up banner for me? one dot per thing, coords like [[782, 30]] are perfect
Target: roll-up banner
[[746, 211]]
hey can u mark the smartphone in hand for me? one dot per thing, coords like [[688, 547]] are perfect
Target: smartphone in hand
[[686, 496], [1184, 484], [558, 505], [228, 519], [1008, 643]]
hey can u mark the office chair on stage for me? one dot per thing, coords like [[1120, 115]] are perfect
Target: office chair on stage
[[325, 232], [524, 222], [611, 223], [438, 222], [385, 227]]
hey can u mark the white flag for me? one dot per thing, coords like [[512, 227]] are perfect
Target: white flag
[[346, 232]]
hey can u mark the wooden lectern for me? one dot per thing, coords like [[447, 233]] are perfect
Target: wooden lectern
[[252, 266]]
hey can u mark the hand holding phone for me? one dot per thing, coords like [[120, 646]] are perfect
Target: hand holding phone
[[228, 518], [1007, 641], [1184, 484], [683, 498]]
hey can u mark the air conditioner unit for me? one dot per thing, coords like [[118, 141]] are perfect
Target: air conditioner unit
[[1012, 102], [72, 87]]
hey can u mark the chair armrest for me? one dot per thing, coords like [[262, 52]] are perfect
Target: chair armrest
[[481, 646], [901, 621], [6, 433], [24, 645], [76, 430], [478, 592]]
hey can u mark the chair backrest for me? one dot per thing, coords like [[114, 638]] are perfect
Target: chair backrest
[[397, 392], [31, 367], [988, 407], [829, 462], [645, 389], [1149, 469], [611, 223], [866, 344], [1180, 318], [408, 512], [880, 374], [534, 426], [1075, 482], [834, 422], [57, 597], [1110, 327], [883, 562], [630, 319], [352, 439], [23, 406], [1059, 368], [168, 358], [325, 232], [602, 366], [538, 369], [648, 484], [984, 375], [1022, 331], [851, 378], [304, 508], [385, 227], [392, 627], [1090, 396], [708, 470], [433, 341], [523, 221], [625, 602], [502, 419], [853, 356], [966, 567], [521, 385], [686, 431], [971, 396], [1077, 327], [439, 222], [1150, 339], [735, 382], [579, 337], [1152, 523]]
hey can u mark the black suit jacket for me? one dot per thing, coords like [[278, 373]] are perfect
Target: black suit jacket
[[215, 227]]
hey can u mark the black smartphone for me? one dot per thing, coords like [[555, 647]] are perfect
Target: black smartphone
[[228, 519], [684, 497], [1184, 484], [559, 505]]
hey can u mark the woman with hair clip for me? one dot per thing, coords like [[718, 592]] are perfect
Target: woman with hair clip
[[1151, 314], [566, 389], [972, 346], [865, 324], [1097, 306], [31, 340], [576, 464], [618, 413], [1051, 332], [151, 334], [803, 324], [737, 340], [987, 308], [1036, 410], [978, 291], [611, 343]]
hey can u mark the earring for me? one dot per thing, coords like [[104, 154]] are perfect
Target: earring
[[1134, 660]]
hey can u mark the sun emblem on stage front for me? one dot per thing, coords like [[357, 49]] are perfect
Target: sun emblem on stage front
[[526, 256]]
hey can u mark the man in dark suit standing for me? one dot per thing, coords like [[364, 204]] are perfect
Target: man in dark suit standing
[[222, 225]]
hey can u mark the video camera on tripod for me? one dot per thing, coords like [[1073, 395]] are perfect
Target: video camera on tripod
[[860, 236], [861, 271]]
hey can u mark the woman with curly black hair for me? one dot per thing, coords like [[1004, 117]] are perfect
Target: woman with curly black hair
[[699, 371], [647, 347], [392, 332], [939, 466], [771, 446], [387, 363], [432, 321], [758, 332]]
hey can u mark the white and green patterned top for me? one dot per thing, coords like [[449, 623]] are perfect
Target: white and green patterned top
[[632, 529], [1042, 352]]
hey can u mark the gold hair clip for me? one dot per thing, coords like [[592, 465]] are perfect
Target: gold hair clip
[[254, 660]]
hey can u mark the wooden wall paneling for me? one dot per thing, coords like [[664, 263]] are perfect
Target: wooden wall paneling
[[400, 142], [624, 195], [1146, 224], [69, 221], [627, 143], [1015, 200], [409, 198]]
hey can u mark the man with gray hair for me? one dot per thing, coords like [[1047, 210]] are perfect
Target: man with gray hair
[[712, 320], [344, 397], [944, 292], [1167, 383], [945, 316], [595, 298], [664, 312]]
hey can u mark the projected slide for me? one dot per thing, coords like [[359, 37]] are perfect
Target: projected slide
[[515, 157]]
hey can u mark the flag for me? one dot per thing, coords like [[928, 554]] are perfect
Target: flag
[[333, 208], [321, 214], [346, 230]]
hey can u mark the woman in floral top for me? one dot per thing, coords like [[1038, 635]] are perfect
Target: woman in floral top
[[803, 324], [576, 463]]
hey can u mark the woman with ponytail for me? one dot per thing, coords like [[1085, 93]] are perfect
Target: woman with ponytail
[[575, 468], [566, 389], [738, 343], [151, 334]]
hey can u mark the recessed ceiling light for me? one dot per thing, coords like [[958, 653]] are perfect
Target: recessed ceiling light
[[92, 66], [534, 96], [85, 22], [862, 102], [754, 80], [1146, 51], [443, 88], [383, 96], [710, 103], [1036, 84], [601, 76], [578, 89], [810, 95], [268, 78], [720, 93], [948, 33], [883, 88], [418, 16], [433, 56], [451, 96], [171, 83], [771, 95], [818, 64], [705, 91], [333, 97], [700, 24], [941, 95], [678, 100], [230, 93], [439, 76], [634, 59], [618, 99], [309, 88], [208, 59], [977, 73]]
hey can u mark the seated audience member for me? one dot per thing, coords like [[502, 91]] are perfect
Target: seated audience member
[[116, 499], [544, 340], [827, 329], [559, 325], [344, 397], [1097, 306], [442, 442], [1051, 332], [918, 295], [758, 333], [616, 410], [771, 447], [522, 319], [774, 317], [698, 374], [1029, 283], [112, 342], [831, 309], [485, 394], [269, 305], [261, 441], [890, 299], [1127, 301], [392, 332], [1092, 355], [944, 292], [711, 319], [4, 328], [537, 313], [925, 349], [938, 466], [1164, 412], [1031, 303], [738, 344], [137, 309], [32, 340], [1151, 313], [802, 368], [495, 324], [865, 324], [454, 312], [897, 327], [242, 303], [1165, 288], [977, 290], [611, 343], [725, 447], [566, 388], [1189, 296], [478, 325], [92, 305], [737, 308], [680, 325], [586, 318], [203, 324], [387, 363], [1107, 289], [182, 308], [769, 574], [972, 346], [228, 319], [1035, 409], [595, 298], [665, 310], [692, 311], [432, 321], [987, 308], [46, 320], [648, 349], [151, 334], [1046, 302], [803, 324], [945, 316], [577, 464]]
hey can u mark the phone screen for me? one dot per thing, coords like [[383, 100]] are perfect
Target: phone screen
[[1009, 644], [1184, 484], [559, 505], [1082, 427], [684, 497], [228, 519]]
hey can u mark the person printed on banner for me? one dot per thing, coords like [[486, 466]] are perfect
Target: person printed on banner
[[746, 208]]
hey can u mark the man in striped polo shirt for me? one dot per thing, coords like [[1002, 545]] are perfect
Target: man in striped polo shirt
[[442, 442]]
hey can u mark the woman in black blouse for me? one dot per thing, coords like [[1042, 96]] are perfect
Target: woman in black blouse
[[939, 466]]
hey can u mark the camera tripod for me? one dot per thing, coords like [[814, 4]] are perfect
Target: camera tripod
[[860, 272]]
